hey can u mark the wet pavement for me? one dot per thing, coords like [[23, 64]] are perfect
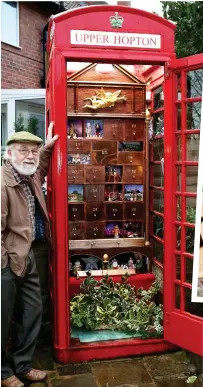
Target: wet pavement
[[163, 370]]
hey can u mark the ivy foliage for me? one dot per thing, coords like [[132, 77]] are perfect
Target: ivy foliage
[[107, 305], [188, 17]]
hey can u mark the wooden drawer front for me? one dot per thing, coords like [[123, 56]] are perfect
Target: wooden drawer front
[[131, 158], [94, 193], [134, 130], [95, 230], [114, 211], [104, 152], [133, 174], [76, 212], [76, 230], [95, 174], [81, 146], [113, 129], [134, 211], [139, 101], [94, 211], [76, 174]]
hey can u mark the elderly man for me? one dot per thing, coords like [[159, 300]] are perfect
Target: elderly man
[[23, 173]]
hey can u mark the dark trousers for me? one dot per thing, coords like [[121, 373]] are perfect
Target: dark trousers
[[21, 303]]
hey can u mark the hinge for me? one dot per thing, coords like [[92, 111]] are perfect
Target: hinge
[[167, 70]]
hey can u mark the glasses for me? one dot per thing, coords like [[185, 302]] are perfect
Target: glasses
[[26, 152]]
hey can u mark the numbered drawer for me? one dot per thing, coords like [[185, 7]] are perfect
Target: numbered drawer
[[94, 211], [113, 129], [76, 212], [75, 146], [94, 193], [95, 230], [133, 174], [114, 211], [134, 130], [76, 174], [95, 174], [104, 152], [76, 230], [131, 158], [134, 211]]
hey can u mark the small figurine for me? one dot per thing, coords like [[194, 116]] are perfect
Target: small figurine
[[116, 232], [131, 263], [98, 130], [72, 131], [88, 129], [76, 159], [76, 267], [115, 264]]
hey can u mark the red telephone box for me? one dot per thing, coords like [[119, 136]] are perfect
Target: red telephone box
[[122, 35]]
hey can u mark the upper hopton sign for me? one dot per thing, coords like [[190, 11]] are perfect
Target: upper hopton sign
[[115, 39]]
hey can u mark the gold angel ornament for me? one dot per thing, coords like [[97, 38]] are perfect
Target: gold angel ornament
[[104, 99]]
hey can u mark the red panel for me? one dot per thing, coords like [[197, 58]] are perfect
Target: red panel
[[178, 324]]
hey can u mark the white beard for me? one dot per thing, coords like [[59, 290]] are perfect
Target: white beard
[[27, 171]]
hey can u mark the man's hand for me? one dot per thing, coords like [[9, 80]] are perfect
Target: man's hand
[[50, 141]]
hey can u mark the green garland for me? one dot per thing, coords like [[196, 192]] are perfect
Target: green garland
[[117, 306]]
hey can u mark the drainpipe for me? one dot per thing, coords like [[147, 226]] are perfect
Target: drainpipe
[[44, 43]]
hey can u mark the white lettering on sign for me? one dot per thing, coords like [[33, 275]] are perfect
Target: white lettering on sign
[[115, 39]]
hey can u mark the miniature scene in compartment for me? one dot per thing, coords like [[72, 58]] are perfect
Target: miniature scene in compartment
[[110, 256]]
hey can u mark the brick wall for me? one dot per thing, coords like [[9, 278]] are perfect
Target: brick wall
[[22, 68]]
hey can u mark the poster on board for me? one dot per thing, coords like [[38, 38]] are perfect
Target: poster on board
[[197, 280]]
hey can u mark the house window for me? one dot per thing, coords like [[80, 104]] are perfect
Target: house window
[[10, 22]]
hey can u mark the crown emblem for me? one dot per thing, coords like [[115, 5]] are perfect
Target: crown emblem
[[116, 21]]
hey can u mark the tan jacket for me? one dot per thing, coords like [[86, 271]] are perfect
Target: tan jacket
[[16, 229]]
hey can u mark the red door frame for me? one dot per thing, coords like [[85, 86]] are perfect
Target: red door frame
[[59, 54], [178, 324]]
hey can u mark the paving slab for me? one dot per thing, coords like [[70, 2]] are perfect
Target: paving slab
[[168, 366], [74, 369], [116, 374], [177, 383], [85, 380]]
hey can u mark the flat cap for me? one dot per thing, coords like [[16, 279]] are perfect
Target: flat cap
[[24, 137]]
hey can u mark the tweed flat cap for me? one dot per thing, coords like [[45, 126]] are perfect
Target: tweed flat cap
[[24, 137]]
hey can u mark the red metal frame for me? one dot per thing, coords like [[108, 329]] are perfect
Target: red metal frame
[[61, 51], [178, 323]]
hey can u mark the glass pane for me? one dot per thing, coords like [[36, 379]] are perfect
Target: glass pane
[[158, 226], [189, 236], [178, 237], [158, 178], [158, 251], [158, 200], [179, 148], [192, 147], [191, 178], [178, 213], [158, 124], [193, 115], [179, 178], [188, 270], [178, 117], [158, 149], [192, 307], [178, 80], [194, 83], [158, 98], [178, 267], [190, 210], [177, 296]]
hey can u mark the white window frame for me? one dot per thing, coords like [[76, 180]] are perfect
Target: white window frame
[[17, 29]]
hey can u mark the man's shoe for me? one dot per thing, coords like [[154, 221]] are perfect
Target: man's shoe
[[35, 375], [13, 381]]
